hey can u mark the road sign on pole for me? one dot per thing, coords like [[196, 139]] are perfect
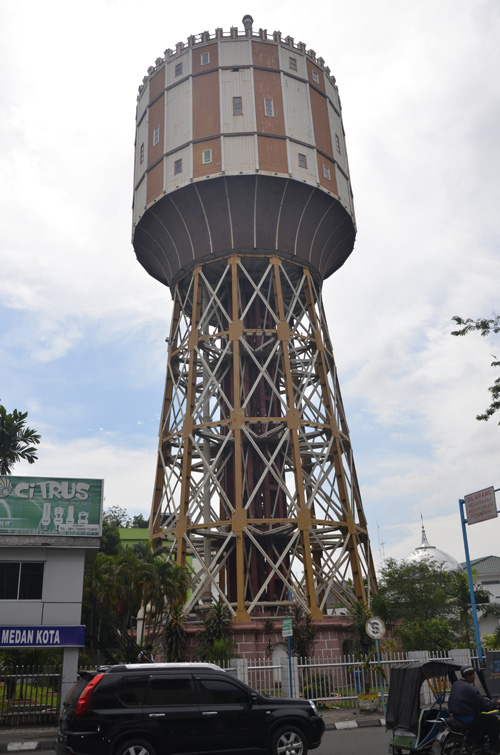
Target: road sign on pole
[[481, 505], [286, 627]]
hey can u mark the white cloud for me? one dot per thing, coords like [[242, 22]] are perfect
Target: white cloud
[[83, 326]]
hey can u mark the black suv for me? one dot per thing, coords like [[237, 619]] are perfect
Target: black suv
[[173, 708]]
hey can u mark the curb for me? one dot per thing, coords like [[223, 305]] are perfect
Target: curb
[[46, 744], [342, 725], [49, 744]]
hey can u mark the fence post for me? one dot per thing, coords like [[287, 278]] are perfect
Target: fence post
[[422, 656], [69, 672], [287, 663], [240, 666], [462, 656]]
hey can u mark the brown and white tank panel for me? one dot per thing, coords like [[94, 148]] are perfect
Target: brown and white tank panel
[[240, 147]]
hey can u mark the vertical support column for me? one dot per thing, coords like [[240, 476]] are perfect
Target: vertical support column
[[237, 422], [154, 520], [187, 429], [350, 529]]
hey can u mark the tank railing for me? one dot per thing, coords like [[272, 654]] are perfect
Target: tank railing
[[236, 33]]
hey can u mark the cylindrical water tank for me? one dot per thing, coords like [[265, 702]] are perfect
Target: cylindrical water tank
[[240, 147]]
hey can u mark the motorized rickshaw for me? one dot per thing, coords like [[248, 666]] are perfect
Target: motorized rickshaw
[[418, 693]]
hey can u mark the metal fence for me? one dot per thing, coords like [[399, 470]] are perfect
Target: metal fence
[[29, 694], [333, 682]]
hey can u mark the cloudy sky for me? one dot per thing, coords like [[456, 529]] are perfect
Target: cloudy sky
[[83, 327]]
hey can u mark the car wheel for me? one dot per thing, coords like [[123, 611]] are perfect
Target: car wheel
[[289, 741], [135, 747]]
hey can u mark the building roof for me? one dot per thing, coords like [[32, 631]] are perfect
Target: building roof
[[132, 535], [427, 551], [485, 565]]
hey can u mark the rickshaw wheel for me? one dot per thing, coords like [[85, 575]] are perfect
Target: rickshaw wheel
[[452, 745]]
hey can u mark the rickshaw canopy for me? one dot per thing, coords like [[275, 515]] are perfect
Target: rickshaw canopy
[[403, 704]]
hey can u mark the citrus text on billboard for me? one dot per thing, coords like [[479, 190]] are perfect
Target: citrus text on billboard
[[50, 506]]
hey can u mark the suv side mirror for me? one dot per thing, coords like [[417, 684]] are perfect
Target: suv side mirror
[[253, 697]]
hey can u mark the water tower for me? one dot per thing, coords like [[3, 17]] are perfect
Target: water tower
[[242, 207]]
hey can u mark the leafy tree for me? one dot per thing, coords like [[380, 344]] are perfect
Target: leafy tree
[[491, 641], [215, 641], [485, 327], [17, 441], [411, 591], [140, 522], [431, 634], [268, 629], [124, 584], [117, 517], [427, 607], [110, 539], [304, 632], [461, 610]]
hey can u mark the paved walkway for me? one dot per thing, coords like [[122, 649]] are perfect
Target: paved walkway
[[26, 738]]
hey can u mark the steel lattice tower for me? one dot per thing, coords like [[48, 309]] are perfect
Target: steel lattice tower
[[242, 206]]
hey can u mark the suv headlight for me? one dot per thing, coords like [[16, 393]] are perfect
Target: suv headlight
[[313, 706]]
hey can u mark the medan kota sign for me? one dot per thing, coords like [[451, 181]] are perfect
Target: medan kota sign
[[50, 506], [481, 505], [42, 637]]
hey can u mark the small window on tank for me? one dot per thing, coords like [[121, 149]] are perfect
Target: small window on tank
[[315, 77], [293, 63], [206, 156], [178, 69], [204, 58], [302, 161], [142, 152], [326, 172], [178, 166], [156, 135], [269, 107], [237, 106]]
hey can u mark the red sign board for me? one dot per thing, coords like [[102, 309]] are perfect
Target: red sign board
[[481, 505]]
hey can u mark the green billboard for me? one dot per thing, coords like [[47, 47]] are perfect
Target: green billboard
[[50, 506]]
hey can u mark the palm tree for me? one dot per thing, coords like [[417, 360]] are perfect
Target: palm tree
[[173, 638], [215, 641], [16, 440]]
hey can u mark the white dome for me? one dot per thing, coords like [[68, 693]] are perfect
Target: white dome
[[431, 553]]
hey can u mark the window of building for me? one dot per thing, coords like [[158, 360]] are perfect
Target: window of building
[[337, 142], [326, 172], [293, 63], [315, 77], [237, 106], [302, 161], [206, 156], [178, 69], [204, 58], [156, 135], [142, 152], [178, 166], [21, 581], [269, 107]]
